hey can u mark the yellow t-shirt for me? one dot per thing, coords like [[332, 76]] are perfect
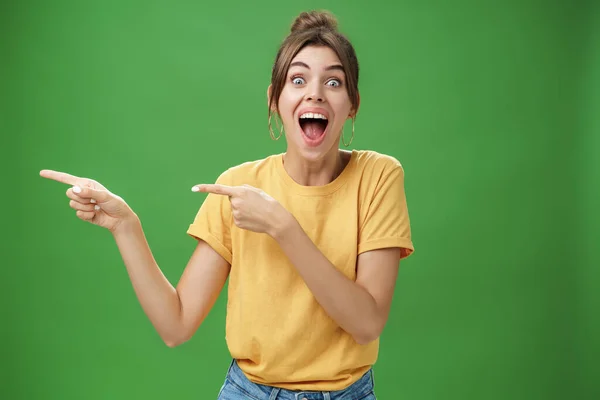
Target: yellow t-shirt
[[275, 328]]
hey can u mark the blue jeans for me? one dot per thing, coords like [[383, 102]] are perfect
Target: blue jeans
[[238, 387]]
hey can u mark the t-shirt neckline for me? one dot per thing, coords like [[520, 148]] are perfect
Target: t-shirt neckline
[[322, 190]]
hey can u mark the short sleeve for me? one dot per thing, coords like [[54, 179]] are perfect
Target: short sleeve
[[212, 223], [386, 223]]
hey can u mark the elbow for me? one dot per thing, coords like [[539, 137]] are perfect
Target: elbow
[[171, 343], [369, 331], [365, 339], [367, 335], [174, 341]]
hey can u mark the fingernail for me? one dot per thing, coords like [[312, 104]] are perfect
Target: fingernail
[[195, 189], [96, 207], [76, 189], [92, 201]]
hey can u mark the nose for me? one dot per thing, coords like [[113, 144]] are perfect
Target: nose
[[315, 97], [314, 93]]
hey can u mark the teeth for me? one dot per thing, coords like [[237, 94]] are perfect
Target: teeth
[[313, 116]]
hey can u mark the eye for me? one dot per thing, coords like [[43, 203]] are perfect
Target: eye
[[334, 83], [297, 80]]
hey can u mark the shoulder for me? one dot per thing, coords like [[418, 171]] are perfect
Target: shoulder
[[249, 172], [373, 163]]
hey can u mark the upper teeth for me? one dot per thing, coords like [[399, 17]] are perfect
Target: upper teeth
[[313, 115]]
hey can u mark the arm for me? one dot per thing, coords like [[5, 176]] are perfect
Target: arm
[[176, 313], [361, 308]]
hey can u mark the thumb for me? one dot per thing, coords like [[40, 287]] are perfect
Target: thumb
[[99, 196]]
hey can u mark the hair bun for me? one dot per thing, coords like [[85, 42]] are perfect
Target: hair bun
[[314, 20]]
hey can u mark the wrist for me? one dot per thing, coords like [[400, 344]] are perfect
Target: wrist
[[126, 225], [284, 222]]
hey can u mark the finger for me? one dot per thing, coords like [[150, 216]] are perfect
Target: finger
[[217, 189], [71, 195], [85, 215], [91, 195], [59, 176], [75, 205]]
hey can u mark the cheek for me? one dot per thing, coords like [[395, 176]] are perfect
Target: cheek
[[288, 101], [342, 107]]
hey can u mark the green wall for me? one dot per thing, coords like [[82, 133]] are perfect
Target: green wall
[[492, 107], [588, 196]]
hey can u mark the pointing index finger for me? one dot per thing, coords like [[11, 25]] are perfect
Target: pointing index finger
[[59, 176], [216, 189]]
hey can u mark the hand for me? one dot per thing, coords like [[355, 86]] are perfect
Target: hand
[[92, 201], [252, 209]]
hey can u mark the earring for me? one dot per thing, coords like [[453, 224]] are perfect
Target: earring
[[351, 138], [278, 127]]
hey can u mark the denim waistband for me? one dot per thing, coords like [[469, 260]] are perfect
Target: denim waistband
[[358, 389]]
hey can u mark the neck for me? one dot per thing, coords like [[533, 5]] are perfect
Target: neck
[[314, 173]]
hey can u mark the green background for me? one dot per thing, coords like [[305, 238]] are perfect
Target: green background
[[492, 107]]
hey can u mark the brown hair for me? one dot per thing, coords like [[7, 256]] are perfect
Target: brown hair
[[316, 28]]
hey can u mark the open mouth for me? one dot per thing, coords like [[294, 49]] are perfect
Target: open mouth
[[313, 125]]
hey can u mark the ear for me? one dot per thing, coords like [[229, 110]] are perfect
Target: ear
[[269, 94], [353, 112]]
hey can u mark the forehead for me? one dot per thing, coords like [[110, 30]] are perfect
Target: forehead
[[317, 57]]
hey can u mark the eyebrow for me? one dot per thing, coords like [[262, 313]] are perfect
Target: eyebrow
[[329, 68]]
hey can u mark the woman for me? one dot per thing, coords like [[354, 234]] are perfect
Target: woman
[[311, 239]]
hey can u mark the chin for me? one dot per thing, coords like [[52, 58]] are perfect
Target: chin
[[315, 153]]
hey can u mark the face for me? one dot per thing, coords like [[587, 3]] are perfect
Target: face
[[314, 103]]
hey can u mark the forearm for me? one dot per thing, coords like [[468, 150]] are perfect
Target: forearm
[[158, 298], [347, 303]]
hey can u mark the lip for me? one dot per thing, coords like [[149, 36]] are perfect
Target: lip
[[320, 139], [313, 110]]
